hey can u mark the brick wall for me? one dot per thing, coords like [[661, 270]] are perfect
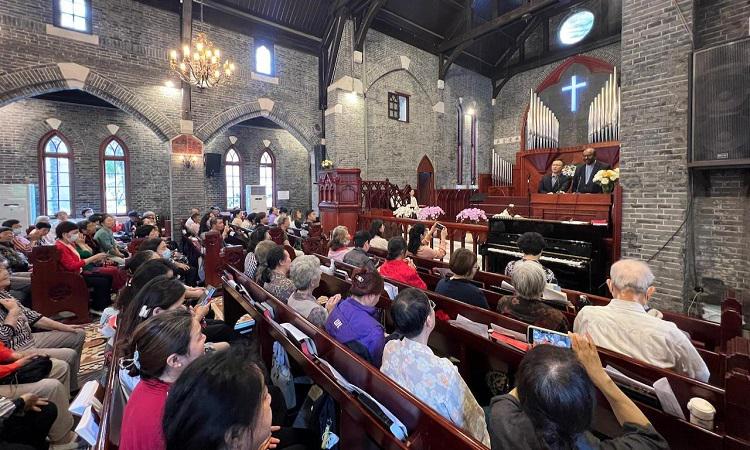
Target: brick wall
[[85, 129], [393, 149], [653, 159], [128, 67], [719, 21], [292, 163]]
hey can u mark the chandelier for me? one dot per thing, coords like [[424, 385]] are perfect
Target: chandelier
[[201, 66]]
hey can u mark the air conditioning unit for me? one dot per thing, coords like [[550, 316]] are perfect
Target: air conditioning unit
[[18, 201], [255, 198]]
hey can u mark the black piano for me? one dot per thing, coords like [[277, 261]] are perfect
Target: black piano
[[575, 250]]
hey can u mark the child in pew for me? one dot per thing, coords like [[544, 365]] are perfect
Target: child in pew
[[408, 361], [553, 403], [158, 352], [231, 384]]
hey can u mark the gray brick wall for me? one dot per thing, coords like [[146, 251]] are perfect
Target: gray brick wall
[[85, 129], [719, 21], [653, 159], [393, 149]]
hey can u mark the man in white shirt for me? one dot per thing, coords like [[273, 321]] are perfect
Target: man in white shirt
[[625, 327]]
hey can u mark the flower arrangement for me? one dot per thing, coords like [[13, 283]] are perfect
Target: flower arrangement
[[607, 179], [430, 213], [569, 170], [404, 212], [326, 164], [472, 215]]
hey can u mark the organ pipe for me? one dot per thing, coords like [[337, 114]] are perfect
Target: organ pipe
[[502, 171], [604, 112], [542, 126]]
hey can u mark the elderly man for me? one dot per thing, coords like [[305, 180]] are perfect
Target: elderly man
[[625, 327], [583, 178]]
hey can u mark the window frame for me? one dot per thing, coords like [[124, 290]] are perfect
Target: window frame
[[57, 12], [226, 174], [269, 46], [41, 157], [395, 114], [102, 172], [273, 171]]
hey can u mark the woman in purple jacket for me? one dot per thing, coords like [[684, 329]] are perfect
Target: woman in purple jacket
[[354, 320]]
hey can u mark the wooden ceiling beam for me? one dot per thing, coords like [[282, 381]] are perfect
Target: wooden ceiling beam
[[531, 7], [519, 41]]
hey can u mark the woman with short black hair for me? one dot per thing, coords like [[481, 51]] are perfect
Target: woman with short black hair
[[459, 286], [532, 245], [398, 267], [553, 403], [432, 379]]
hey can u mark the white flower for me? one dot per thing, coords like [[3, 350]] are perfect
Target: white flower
[[605, 181]]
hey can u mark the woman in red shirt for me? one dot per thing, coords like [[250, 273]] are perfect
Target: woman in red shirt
[[70, 261], [398, 267], [161, 348]]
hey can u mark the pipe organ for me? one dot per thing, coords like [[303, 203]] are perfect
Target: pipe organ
[[604, 113], [542, 126], [502, 171]]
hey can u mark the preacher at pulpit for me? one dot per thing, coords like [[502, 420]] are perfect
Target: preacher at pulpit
[[555, 181], [583, 179]]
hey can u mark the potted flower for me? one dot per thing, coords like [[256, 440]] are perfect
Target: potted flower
[[430, 213], [326, 164], [473, 215], [607, 179], [405, 212], [569, 170]]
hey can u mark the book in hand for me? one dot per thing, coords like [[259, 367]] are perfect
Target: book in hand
[[477, 328], [86, 397]]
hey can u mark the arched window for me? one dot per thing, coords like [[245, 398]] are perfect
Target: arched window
[[114, 176], [233, 179], [263, 60], [267, 176], [56, 167]]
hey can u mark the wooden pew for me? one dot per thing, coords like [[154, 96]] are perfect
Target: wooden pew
[[113, 408], [359, 428], [478, 355], [54, 291], [709, 335]]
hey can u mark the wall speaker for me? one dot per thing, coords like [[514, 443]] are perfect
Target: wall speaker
[[212, 161], [721, 105]]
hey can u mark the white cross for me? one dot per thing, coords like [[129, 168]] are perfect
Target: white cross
[[573, 88]]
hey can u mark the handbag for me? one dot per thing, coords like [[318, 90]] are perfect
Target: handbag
[[36, 370]]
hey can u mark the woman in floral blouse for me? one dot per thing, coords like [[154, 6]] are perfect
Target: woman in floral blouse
[[408, 361]]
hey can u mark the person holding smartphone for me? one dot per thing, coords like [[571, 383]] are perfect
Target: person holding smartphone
[[534, 416], [419, 241]]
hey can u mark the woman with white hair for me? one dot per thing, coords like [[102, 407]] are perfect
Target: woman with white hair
[[527, 306], [305, 274]]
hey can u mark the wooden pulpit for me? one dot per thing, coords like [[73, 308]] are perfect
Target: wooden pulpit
[[584, 207], [340, 197]]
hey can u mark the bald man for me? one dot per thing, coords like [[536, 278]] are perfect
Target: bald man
[[583, 179], [624, 325]]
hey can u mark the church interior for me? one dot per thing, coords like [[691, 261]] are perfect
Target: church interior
[[363, 224]]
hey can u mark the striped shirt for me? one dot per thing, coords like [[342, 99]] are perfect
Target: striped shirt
[[18, 337]]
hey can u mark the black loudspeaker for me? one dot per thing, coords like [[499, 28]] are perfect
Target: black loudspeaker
[[212, 161], [721, 105]]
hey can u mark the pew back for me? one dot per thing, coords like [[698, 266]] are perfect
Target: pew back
[[54, 291]]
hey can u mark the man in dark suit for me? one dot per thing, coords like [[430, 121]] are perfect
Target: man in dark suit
[[555, 181], [583, 179]]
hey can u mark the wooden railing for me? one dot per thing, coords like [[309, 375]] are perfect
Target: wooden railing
[[383, 195], [457, 232]]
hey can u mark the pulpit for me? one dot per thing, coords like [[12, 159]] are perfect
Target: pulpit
[[340, 197], [583, 207]]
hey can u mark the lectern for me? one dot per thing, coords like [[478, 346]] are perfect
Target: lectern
[[340, 197]]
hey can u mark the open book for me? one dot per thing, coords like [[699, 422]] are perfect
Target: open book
[[551, 294], [477, 328]]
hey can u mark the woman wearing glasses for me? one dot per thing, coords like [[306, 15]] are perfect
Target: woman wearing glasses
[[408, 361]]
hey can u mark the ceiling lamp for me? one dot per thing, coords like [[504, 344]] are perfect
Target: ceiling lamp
[[201, 66]]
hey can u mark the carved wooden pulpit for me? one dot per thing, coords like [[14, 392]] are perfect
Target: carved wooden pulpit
[[340, 198]]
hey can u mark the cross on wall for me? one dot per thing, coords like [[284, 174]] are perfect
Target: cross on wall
[[573, 88]]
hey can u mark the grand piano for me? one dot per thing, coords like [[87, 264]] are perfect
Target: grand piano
[[576, 250]]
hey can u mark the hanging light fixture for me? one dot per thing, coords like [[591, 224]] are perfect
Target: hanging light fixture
[[202, 65]]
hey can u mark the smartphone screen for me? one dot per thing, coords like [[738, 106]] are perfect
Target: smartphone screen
[[206, 297], [538, 336]]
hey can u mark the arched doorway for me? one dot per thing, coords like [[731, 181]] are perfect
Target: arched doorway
[[425, 181]]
